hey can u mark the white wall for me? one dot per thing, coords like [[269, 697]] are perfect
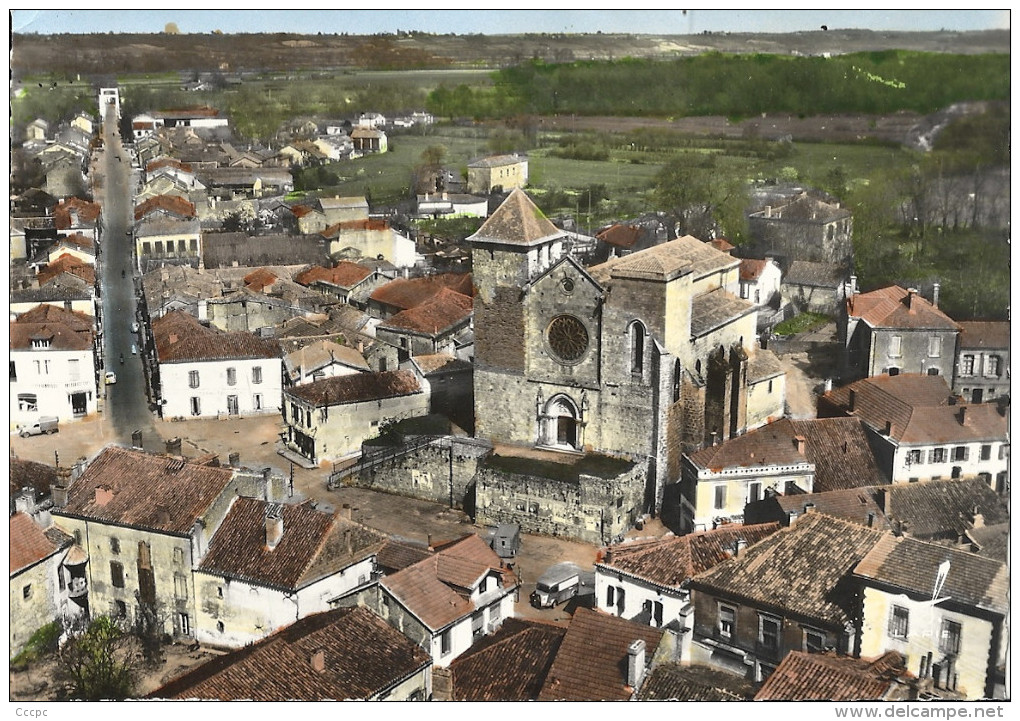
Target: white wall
[[213, 389], [47, 374]]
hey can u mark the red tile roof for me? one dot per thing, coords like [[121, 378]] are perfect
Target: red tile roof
[[751, 268], [179, 337], [850, 504], [622, 236], [806, 676], [511, 665], [173, 204], [344, 274], [722, 244], [67, 263], [912, 567], [167, 163], [337, 229], [984, 335], [671, 561], [676, 682], [944, 508], [895, 307], [314, 545], [796, 570], [301, 211], [80, 241], [435, 589], [592, 661], [260, 279], [357, 388], [64, 329], [29, 544], [445, 310], [86, 212], [918, 408], [517, 221], [362, 657], [405, 293], [142, 490]]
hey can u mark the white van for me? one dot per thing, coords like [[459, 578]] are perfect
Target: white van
[[46, 424]]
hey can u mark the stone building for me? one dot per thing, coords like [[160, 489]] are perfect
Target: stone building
[[803, 228], [497, 173], [640, 358], [982, 361]]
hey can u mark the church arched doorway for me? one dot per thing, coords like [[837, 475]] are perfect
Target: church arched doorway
[[562, 424]]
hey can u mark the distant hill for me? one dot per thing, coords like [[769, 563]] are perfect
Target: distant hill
[[148, 53]]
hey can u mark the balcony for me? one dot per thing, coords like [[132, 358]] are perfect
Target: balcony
[[77, 587]]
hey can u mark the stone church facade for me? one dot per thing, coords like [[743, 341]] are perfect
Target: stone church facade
[[643, 357]]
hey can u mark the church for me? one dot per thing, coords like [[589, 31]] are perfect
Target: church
[[644, 357]]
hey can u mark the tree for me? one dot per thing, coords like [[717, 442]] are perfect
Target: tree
[[97, 661], [702, 201], [171, 29]]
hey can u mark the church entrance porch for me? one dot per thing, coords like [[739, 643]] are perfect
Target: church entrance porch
[[561, 426]]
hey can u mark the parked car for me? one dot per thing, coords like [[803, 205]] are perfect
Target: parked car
[[558, 584], [111, 378], [134, 349], [134, 327], [45, 424]]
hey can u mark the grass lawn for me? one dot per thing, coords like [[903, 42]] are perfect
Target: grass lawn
[[801, 323]]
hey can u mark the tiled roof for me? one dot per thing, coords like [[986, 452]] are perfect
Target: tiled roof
[[362, 656], [167, 162], [79, 241], [344, 274], [715, 309], [838, 448], [911, 566], [888, 308], [674, 682], [721, 244], [223, 250], [64, 287], [67, 263], [762, 365], [442, 311], [797, 570], [806, 676], [429, 588], [497, 161], [805, 208], [30, 544], [850, 504], [64, 329], [943, 508], [314, 545], [143, 490], [29, 474], [991, 541], [324, 352], [405, 293], [517, 221], [181, 337], [173, 204], [918, 408], [344, 202], [260, 279], [436, 362], [751, 268], [592, 661], [512, 665], [87, 213], [622, 236], [667, 261], [984, 335], [357, 388], [337, 230], [396, 555], [673, 560], [806, 272]]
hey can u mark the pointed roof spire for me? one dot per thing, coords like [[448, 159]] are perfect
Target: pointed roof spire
[[517, 221]]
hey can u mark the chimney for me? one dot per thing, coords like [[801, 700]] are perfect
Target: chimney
[[318, 660], [911, 292], [429, 541], [24, 502], [809, 508], [59, 490], [173, 446], [852, 404], [871, 519], [635, 663], [267, 482], [800, 443], [347, 512], [853, 285], [935, 295], [235, 459], [136, 439], [963, 416], [888, 428], [274, 525], [739, 547]]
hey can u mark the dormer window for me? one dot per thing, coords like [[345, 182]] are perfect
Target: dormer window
[[40, 342]]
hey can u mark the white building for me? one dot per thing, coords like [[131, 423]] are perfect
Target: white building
[[204, 372], [52, 366]]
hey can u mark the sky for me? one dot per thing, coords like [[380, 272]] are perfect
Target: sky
[[490, 22]]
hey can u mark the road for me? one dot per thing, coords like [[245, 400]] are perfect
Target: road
[[127, 404]]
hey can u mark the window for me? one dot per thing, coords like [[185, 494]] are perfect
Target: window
[[933, 371], [727, 621], [192, 379], [144, 555], [754, 491], [114, 545], [1003, 451], [657, 614], [231, 376], [73, 369], [232, 407], [913, 457], [637, 348], [117, 574], [992, 366], [119, 609], [768, 631], [181, 246], [814, 640], [185, 623], [986, 453], [949, 639], [967, 365], [180, 586], [193, 244], [146, 248], [27, 402], [26, 592], [178, 556], [159, 247], [960, 453], [935, 346], [899, 622], [895, 346], [256, 374], [256, 402], [446, 642], [938, 455], [610, 596], [196, 406], [720, 497]]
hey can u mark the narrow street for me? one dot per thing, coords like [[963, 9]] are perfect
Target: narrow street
[[127, 405]]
